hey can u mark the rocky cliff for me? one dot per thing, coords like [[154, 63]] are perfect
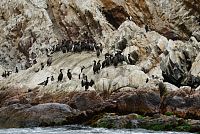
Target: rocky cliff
[[161, 36]]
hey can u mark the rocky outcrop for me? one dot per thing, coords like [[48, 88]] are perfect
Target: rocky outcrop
[[85, 101], [157, 123], [128, 102], [184, 103], [162, 38], [49, 114]]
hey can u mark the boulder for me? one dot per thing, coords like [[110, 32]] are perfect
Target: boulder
[[138, 101], [183, 102], [49, 114], [86, 100]]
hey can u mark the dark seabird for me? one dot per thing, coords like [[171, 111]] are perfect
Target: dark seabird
[[34, 61], [98, 52], [49, 61], [147, 80], [131, 60], [79, 76], [52, 78], [45, 82], [84, 80], [115, 61], [94, 67], [86, 84], [98, 66], [91, 83], [146, 28], [69, 74], [60, 76], [83, 67], [16, 70], [101, 48], [4, 74]]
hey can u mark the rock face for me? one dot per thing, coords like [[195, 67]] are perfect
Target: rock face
[[182, 103], [162, 38], [18, 115], [158, 123], [148, 102]]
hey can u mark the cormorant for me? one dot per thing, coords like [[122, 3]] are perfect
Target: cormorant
[[147, 80], [49, 61], [131, 60], [98, 52], [69, 74], [52, 78], [98, 66], [4, 74], [146, 28], [115, 61], [83, 67], [16, 70], [86, 84], [94, 67], [60, 76], [91, 83], [79, 76], [45, 82]]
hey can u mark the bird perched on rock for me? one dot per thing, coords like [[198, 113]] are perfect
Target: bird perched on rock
[[60, 76], [146, 28], [131, 60], [94, 67], [98, 66], [49, 61], [52, 78], [81, 74], [16, 70], [4, 74], [98, 52], [44, 82], [86, 83], [147, 80], [91, 82], [115, 61], [69, 74]]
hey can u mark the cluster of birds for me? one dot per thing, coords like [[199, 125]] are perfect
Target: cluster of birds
[[84, 82], [6, 74], [113, 59], [78, 46]]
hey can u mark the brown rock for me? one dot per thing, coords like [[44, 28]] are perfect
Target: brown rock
[[182, 104], [139, 102], [85, 100], [48, 114]]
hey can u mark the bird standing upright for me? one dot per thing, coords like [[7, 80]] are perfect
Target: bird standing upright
[[69, 74], [44, 82], [60, 76]]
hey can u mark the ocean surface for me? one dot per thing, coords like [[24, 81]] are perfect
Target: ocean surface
[[80, 130]]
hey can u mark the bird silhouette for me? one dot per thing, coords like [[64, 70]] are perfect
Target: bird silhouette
[[44, 82], [69, 74], [60, 76]]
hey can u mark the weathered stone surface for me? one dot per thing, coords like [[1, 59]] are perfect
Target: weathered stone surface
[[86, 101], [183, 102], [18, 115], [158, 123], [141, 101]]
